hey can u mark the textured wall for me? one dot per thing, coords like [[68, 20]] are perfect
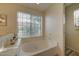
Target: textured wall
[[54, 26], [72, 35]]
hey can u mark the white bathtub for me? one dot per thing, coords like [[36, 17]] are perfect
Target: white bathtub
[[35, 48]]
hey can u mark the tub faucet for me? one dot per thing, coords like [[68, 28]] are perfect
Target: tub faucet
[[13, 40]]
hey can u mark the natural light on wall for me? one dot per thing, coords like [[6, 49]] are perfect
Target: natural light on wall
[[28, 25]]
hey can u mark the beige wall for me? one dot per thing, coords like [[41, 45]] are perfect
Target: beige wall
[[11, 10], [72, 35], [54, 25]]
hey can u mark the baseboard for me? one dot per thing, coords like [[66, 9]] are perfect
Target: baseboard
[[73, 49]]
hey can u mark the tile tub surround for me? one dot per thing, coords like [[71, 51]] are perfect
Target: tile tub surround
[[35, 48], [5, 39], [8, 51]]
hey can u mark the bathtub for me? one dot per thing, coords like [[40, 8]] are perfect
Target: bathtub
[[37, 48]]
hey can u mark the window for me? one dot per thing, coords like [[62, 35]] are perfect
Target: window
[[28, 25], [76, 18]]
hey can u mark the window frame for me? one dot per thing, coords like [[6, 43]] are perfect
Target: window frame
[[41, 26], [75, 19]]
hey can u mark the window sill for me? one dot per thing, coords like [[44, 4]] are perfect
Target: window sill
[[31, 37]]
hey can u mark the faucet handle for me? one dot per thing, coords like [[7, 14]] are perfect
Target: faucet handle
[[15, 37]]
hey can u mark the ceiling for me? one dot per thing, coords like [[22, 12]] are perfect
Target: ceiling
[[67, 4], [41, 6]]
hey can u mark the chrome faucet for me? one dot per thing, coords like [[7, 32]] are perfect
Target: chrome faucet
[[13, 40]]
